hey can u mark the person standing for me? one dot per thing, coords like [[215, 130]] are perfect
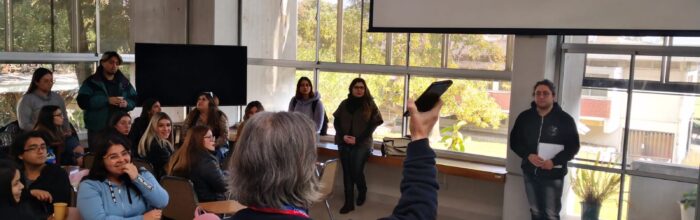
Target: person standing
[[38, 95], [105, 93], [544, 122], [308, 102], [355, 121]]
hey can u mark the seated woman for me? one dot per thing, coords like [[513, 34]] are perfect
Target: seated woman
[[272, 168], [194, 160], [116, 189], [250, 110], [64, 142], [140, 125], [11, 192], [154, 146], [208, 113], [46, 183]]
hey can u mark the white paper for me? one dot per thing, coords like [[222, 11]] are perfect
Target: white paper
[[547, 151]]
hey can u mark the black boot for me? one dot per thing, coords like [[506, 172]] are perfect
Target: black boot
[[361, 197], [349, 205]]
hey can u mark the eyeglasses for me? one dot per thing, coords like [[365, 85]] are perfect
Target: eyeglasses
[[36, 148], [115, 156], [208, 137]]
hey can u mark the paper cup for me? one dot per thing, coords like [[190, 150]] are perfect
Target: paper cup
[[60, 210]]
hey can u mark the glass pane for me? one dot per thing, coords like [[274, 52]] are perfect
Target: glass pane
[[75, 35], [476, 109], [388, 95], [587, 183], [607, 66], [306, 30], [426, 50], [686, 41], [684, 69], [31, 26], [373, 44], [3, 24], [334, 89], [652, 199], [398, 49], [308, 73], [351, 31], [114, 26], [601, 126], [67, 85], [660, 133], [647, 68], [276, 86], [627, 40], [477, 51], [329, 30]]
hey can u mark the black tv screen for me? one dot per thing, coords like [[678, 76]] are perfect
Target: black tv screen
[[175, 74]]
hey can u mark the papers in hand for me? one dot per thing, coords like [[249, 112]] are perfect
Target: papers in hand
[[547, 151]]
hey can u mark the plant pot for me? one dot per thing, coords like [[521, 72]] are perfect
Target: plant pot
[[590, 211], [687, 214]]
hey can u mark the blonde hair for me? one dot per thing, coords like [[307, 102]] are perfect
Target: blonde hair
[[152, 134], [273, 163]]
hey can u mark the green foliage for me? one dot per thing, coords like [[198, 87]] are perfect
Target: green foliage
[[690, 199], [594, 187], [453, 138]]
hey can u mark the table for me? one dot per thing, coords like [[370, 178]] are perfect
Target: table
[[228, 207]]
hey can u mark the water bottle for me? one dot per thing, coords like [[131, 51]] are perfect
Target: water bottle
[[50, 157]]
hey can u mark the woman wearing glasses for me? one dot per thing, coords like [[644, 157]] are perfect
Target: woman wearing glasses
[[194, 160], [64, 142], [116, 189], [39, 95], [45, 183]]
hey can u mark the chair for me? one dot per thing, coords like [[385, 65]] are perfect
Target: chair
[[326, 173], [183, 199], [142, 163], [88, 159]]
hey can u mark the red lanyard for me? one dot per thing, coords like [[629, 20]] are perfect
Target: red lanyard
[[289, 211]]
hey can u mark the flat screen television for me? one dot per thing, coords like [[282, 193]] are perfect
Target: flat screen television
[[175, 74]]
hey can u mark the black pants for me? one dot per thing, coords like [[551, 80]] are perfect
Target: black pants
[[353, 159], [93, 137]]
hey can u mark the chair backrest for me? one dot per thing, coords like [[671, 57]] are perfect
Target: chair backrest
[[183, 200], [88, 159], [142, 163], [327, 178]]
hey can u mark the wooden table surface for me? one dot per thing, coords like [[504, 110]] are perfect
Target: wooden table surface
[[222, 207]]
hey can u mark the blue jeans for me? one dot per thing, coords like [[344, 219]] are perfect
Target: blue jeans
[[544, 196]]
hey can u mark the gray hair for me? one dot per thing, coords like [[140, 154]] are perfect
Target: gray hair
[[273, 163]]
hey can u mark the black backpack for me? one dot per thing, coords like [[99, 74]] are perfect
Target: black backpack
[[324, 124]]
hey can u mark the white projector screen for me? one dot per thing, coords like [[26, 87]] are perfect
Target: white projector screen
[[574, 17]]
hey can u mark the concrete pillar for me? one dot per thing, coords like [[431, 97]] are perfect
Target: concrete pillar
[[534, 61]]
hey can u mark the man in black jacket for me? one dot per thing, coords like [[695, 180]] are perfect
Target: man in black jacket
[[545, 123]]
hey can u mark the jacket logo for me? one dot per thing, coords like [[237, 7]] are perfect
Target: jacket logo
[[553, 131]]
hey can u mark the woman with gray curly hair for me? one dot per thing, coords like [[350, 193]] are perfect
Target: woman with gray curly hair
[[273, 167]]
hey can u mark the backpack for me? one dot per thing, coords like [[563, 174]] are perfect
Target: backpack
[[324, 124]]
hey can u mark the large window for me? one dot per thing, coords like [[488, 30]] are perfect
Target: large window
[[59, 26], [637, 118]]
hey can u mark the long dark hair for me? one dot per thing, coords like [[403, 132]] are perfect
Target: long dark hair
[[114, 120], [181, 162], [298, 94], [147, 105], [36, 76], [99, 172], [366, 100], [250, 105], [45, 123], [8, 170], [213, 114]]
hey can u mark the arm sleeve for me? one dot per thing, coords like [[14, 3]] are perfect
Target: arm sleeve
[[88, 101], [130, 98], [419, 184], [158, 157], [223, 130], [336, 124], [24, 115], [289, 108], [376, 120], [318, 116], [572, 145], [516, 139], [213, 176], [154, 194], [62, 187], [90, 204]]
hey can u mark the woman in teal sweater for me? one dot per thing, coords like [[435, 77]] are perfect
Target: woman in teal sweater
[[116, 189]]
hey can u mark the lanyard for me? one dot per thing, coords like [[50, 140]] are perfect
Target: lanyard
[[287, 210]]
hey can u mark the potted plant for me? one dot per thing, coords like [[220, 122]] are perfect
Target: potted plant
[[688, 204], [594, 187]]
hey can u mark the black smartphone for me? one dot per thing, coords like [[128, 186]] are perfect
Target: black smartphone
[[429, 98]]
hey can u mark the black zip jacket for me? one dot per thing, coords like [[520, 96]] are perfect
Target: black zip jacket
[[557, 127]]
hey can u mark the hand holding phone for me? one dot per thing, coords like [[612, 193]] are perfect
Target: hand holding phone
[[430, 97]]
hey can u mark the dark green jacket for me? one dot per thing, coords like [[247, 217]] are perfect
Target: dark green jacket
[[93, 99]]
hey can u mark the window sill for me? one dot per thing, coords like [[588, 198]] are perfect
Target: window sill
[[474, 170]]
